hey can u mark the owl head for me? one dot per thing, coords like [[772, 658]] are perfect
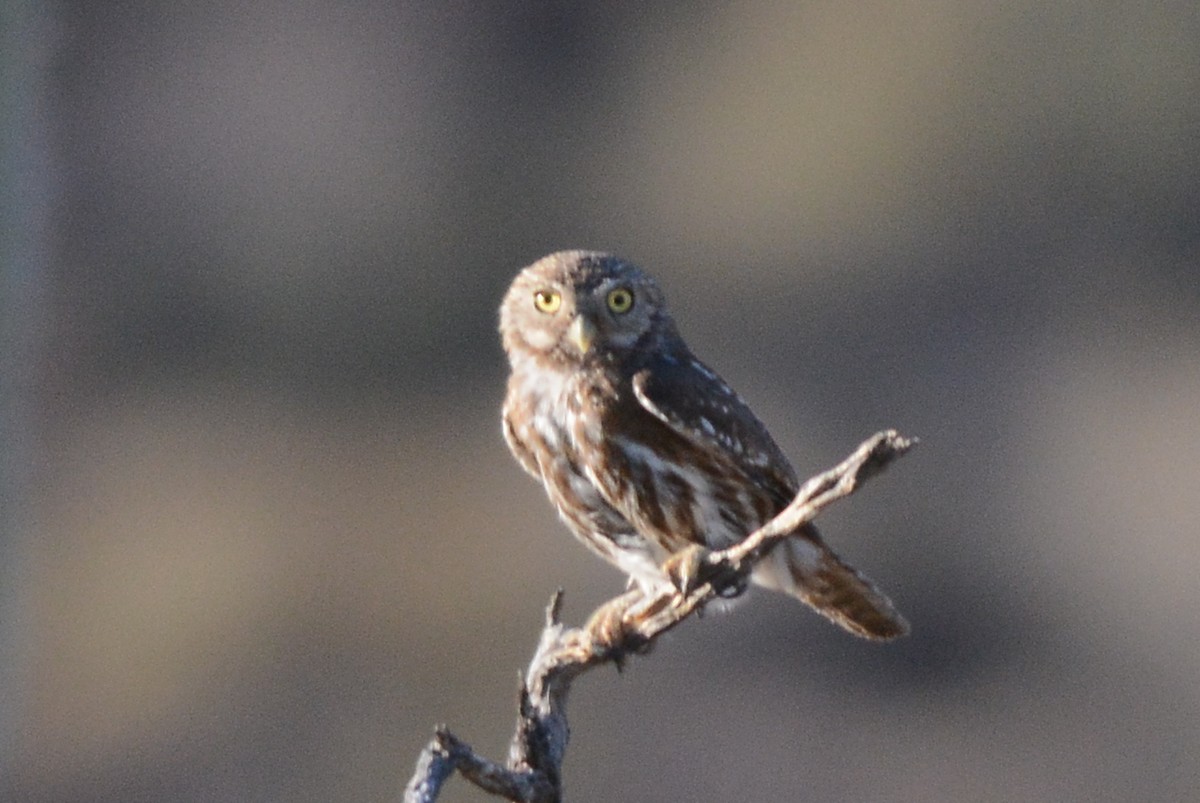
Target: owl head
[[582, 306]]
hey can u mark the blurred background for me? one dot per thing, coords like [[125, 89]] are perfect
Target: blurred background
[[261, 532]]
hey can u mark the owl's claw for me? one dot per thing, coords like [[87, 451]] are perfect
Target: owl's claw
[[685, 567], [607, 624], [694, 565], [614, 626]]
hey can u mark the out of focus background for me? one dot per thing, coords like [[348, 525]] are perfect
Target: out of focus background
[[260, 530]]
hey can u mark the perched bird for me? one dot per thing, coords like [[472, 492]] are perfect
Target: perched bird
[[644, 450]]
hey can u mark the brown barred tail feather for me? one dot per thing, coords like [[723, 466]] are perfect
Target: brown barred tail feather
[[805, 568]]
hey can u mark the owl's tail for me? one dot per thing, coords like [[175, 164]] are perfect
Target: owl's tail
[[804, 567]]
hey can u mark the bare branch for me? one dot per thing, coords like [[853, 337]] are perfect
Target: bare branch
[[869, 459], [627, 624]]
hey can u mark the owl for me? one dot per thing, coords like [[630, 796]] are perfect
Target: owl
[[644, 450]]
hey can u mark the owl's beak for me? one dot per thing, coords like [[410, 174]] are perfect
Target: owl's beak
[[581, 333]]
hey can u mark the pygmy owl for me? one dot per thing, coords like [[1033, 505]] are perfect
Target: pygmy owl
[[643, 449]]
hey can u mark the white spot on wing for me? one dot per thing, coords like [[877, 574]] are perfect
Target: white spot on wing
[[639, 393], [706, 371]]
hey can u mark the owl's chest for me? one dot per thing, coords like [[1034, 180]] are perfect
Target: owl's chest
[[557, 421], [561, 413]]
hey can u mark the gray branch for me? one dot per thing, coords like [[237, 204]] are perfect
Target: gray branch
[[625, 625]]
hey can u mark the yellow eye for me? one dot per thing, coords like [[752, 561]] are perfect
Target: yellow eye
[[620, 300], [547, 301]]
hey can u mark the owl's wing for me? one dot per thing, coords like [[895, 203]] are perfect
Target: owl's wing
[[691, 399]]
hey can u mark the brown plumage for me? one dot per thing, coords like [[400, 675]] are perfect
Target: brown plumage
[[642, 448]]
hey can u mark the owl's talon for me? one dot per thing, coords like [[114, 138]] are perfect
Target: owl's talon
[[613, 626], [686, 567], [695, 565], [726, 581], [607, 624]]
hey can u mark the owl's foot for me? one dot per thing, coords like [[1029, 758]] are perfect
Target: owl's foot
[[607, 625], [614, 626], [694, 565], [684, 568]]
